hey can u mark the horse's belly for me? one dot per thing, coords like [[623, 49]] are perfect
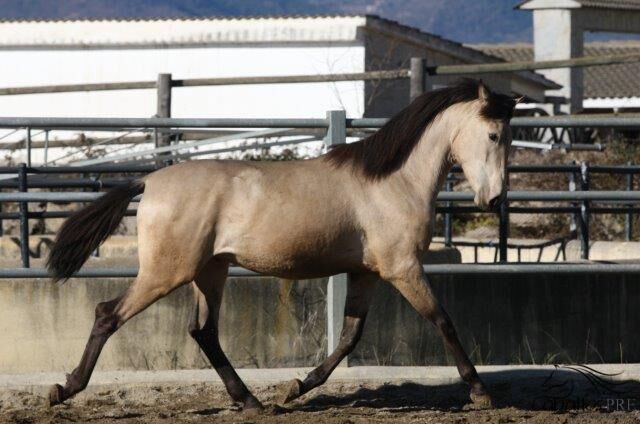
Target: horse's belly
[[292, 257]]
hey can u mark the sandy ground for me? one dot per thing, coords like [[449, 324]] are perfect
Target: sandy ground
[[535, 400]]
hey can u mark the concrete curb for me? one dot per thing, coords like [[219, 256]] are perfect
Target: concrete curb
[[431, 375]]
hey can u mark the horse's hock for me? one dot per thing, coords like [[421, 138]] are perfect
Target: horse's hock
[[268, 322]]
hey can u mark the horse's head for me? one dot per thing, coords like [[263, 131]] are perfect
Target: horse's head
[[481, 146]]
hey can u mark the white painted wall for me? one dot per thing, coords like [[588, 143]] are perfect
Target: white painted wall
[[72, 66]]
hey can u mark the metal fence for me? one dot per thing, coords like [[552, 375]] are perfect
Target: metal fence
[[336, 128]]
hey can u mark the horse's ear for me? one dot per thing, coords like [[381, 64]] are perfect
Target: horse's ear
[[518, 100], [483, 92]]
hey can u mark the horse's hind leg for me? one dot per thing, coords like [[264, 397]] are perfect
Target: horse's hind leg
[[208, 287], [359, 294], [110, 316]]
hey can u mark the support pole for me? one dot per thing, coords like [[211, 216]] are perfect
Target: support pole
[[24, 218], [28, 146], [337, 284], [163, 87], [584, 212], [448, 227], [628, 222], [503, 229], [417, 85]]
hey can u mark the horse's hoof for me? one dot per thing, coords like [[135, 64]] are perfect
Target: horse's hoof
[[56, 395], [252, 406], [481, 400], [290, 391]]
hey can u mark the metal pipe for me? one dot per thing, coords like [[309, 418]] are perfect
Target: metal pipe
[[436, 269], [628, 121], [28, 146], [503, 226], [122, 123], [448, 225], [454, 196], [46, 147], [584, 212], [628, 222], [118, 168], [24, 219], [50, 214], [417, 78], [578, 62], [355, 76], [98, 169]]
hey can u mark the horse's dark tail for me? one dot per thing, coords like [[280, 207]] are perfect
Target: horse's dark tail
[[86, 229]]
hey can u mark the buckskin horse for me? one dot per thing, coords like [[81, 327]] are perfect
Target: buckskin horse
[[365, 208]]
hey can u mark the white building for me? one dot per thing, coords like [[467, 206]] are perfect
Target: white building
[[40, 53], [88, 51], [558, 32]]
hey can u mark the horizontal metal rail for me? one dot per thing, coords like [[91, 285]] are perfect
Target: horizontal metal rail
[[202, 82], [578, 62], [130, 169], [626, 121], [467, 69], [439, 269], [439, 209], [127, 123], [111, 124], [454, 196]]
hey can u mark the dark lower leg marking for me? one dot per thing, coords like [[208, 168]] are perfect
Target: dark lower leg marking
[[208, 340], [359, 294], [424, 301], [466, 369], [351, 332], [106, 323]]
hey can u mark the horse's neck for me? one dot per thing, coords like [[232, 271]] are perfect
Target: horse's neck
[[429, 163]]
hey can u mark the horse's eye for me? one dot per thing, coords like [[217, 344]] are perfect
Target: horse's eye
[[493, 137]]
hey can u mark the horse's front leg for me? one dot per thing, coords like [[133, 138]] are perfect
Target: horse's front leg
[[408, 278]]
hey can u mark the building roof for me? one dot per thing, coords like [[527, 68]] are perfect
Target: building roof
[[188, 31], [601, 4], [610, 81]]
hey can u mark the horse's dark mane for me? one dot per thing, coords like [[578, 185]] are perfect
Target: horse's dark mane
[[387, 150]]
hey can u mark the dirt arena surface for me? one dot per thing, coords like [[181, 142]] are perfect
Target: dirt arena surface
[[336, 402]]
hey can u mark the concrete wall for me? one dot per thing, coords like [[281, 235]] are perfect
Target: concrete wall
[[271, 323]]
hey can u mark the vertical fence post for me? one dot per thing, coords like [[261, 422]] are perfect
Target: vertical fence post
[[28, 146], [337, 284], [628, 222], [417, 84], [573, 226], [503, 230], [46, 147], [448, 231], [584, 212], [163, 87], [24, 216]]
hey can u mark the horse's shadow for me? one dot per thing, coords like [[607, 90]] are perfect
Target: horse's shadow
[[560, 389]]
